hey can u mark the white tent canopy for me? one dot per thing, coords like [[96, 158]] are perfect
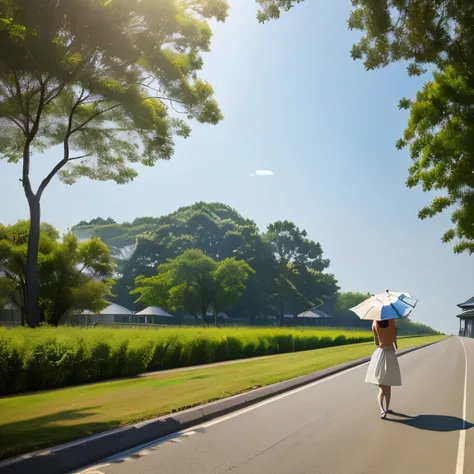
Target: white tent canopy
[[314, 313], [154, 311], [10, 306], [116, 309]]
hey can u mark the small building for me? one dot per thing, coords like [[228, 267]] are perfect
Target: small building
[[10, 314], [466, 318], [314, 316], [114, 313], [152, 315]]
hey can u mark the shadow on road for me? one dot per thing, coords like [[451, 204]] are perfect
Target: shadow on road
[[430, 422]]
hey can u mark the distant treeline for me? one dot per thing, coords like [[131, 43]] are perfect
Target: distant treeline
[[290, 270]]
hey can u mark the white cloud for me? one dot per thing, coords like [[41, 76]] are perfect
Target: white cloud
[[263, 173]]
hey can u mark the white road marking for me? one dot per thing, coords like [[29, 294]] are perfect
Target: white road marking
[[275, 399], [194, 429], [94, 470], [145, 452], [202, 427], [462, 433]]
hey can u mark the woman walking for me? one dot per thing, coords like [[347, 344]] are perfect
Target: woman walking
[[384, 370]]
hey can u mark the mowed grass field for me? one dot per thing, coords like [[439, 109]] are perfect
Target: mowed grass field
[[45, 419]]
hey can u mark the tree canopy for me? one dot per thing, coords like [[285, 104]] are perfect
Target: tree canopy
[[73, 275], [100, 78], [349, 299], [438, 37], [433, 37], [195, 283], [271, 9], [110, 82], [289, 268], [289, 272]]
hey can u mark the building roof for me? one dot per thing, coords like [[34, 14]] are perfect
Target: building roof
[[10, 306], [115, 309], [467, 304], [154, 311], [468, 314], [314, 313]]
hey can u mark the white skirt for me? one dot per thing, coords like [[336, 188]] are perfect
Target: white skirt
[[383, 368]]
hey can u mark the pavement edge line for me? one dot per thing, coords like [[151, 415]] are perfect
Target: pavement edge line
[[74, 455]]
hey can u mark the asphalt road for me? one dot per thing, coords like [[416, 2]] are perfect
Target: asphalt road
[[333, 427]]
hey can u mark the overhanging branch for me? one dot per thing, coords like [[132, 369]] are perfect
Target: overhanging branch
[[17, 123], [161, 97], [65, 159], [81, 157], [100, 112]]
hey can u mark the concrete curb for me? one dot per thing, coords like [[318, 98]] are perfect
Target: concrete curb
[[87, 451]]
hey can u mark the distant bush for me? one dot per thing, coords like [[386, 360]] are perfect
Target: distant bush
[[406, 327], [45, 358]]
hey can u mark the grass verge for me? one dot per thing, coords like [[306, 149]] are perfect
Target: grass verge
[[47, 358], [40, 420]]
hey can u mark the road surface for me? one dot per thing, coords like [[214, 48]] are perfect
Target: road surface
[[333, 427]]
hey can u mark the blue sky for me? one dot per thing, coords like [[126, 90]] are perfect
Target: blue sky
[[297, 104]]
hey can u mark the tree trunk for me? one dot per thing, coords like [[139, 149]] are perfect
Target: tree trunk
[[20, 302], [282, 314], [32, 282]]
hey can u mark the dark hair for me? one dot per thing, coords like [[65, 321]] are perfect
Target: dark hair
[[383, 324]]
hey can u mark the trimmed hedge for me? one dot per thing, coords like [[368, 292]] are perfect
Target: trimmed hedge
[[45, 358]]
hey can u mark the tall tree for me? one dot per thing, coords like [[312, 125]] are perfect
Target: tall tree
[[436, 35], [106, 80], [300, 261], [229, 276], [13, 255], [73, 275], [260, 297], [214, 228], [423, 32], [195, 283], [289, 268]]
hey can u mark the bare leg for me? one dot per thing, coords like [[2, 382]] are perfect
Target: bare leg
[[380, 398], [388, 396]]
